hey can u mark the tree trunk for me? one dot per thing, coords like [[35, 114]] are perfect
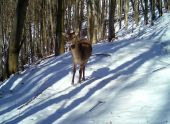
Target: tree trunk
[[76, 22], [136, 12], [91, 21], [126, 13], [120, 13], [16, 36], [43, 28], [146, 12], [159, 7], [31, 43], [152, 8], [103, 24], [81, 17], [59, 43], [112, 8], [51, 27], [168, 5]]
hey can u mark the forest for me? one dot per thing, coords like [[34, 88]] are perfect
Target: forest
[[31, 30]]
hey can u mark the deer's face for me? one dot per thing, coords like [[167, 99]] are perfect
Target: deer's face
[[71, 37]]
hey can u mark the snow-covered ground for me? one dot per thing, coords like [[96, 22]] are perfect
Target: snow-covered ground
[[127, 82]]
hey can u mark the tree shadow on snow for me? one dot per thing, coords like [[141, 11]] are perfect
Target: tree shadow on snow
[[32, 82], [127, 68], [55, 73]]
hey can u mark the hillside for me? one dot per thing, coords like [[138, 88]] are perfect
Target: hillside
[[127, 82]]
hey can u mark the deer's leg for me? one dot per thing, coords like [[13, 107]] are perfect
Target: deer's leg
[[80, 73], [74, 71], [84, 73]]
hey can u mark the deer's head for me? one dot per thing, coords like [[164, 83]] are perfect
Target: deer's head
[[72, 37]]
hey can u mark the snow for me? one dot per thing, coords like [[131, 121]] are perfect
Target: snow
[[127, 82]]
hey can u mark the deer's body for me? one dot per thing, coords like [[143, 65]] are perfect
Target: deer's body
[[81, 50]]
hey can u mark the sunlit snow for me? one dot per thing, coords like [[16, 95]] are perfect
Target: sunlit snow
[[127, 82]]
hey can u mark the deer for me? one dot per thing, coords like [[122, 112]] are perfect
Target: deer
[[81, 50]]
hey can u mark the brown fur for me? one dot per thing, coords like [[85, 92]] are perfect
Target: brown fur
[[81, 50]]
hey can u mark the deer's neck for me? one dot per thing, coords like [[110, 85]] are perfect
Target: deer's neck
[[75, 43]]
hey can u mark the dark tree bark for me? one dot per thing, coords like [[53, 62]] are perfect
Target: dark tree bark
[[112, 7], [152, 8], [59, 43], [16, 36], [159, 7]]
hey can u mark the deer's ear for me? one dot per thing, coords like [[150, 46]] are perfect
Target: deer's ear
[[65, 35]]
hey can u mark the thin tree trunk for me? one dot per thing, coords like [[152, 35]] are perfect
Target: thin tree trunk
[[168, 5], [146, 12], [51, 27], [152, 7], [103, 26], [31, 43], [136, 4], [120, 13], [81, 17], [91, 22], [159, 6], [43, 28], [126, 13], [76, 25]]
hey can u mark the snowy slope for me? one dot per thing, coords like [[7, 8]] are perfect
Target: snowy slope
[[127, 82]]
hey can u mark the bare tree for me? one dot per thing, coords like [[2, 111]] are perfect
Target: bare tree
[[136, 12], [112, 7], [16, 36], [152, 8], [126, 13], [91, 21], [119, 9], [159, 7], [146, 12], [59, 43]]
